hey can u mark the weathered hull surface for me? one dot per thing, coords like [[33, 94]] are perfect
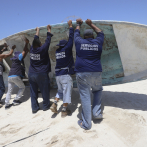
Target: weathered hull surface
[[124, 56]]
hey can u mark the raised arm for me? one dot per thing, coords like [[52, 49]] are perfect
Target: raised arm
[[48, 39], [77, 36], [71, 35], [3, 56], [37, 31], [49, 28], [25, 50], [95, 28]]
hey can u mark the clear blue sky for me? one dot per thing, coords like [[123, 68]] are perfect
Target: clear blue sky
[[20, 15]]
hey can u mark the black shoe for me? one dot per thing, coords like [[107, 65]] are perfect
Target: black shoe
[[35, 111], [47, 108], [1, 103], [8, 106], [16, 102]]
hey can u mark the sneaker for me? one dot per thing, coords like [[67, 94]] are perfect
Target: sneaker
[[1, 104], [54, 108], [16, 102], [35, 111], [65, 113], [8, 106], [99, 116]]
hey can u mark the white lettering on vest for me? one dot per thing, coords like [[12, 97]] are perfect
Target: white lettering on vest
[[92, 47], [35, 56], [60, 55]]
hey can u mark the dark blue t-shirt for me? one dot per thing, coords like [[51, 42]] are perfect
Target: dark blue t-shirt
[[39, 57], [64, 57], [88, 53]]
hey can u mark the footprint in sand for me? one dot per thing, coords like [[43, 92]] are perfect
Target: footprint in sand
[[92, 133]]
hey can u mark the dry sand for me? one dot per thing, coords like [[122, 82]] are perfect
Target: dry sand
[[124, 123]]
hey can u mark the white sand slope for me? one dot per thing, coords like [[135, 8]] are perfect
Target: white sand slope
[[124, 123]]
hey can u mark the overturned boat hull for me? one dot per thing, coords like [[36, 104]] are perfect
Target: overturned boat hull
[[124, 56]]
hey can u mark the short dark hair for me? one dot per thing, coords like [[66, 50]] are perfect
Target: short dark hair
[[88, 34], [36, 42]]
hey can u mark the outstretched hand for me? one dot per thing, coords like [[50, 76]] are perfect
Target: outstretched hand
[[79, 21], [37, 29], [70, 23], [89, 22], [26, 40], [48, 27], [13, 47]]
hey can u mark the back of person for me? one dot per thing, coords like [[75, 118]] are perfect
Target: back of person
[[38, 71], [17, 72], [39, 59], [18, 67], [2, 69], [89, 72], [64, 68], [88, 54], [64, 56]]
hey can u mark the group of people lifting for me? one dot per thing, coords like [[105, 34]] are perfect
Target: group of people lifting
[[87, 68]]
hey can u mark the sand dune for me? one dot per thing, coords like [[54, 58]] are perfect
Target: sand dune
[[124, 123]]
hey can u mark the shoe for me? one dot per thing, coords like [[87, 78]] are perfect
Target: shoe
[[65, 113], [8, 106], [99, 117], [54, 108], [1, 104], [47, 108], [16, 102], [35, 111]]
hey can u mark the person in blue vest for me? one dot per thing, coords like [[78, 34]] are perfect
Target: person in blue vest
[[89, 71], [38, 71], [64, 68], [17, 72], [2, 69]]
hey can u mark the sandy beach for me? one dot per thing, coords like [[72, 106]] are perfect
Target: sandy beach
[[124, 123]]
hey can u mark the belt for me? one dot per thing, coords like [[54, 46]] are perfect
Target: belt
[[64, 68]]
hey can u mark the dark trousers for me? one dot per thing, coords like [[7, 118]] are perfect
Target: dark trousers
[[2, 87], [41, 81]]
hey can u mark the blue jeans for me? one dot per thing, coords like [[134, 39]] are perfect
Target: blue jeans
[[2, 87], [41, 81], [65, 85], [85, 82]]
